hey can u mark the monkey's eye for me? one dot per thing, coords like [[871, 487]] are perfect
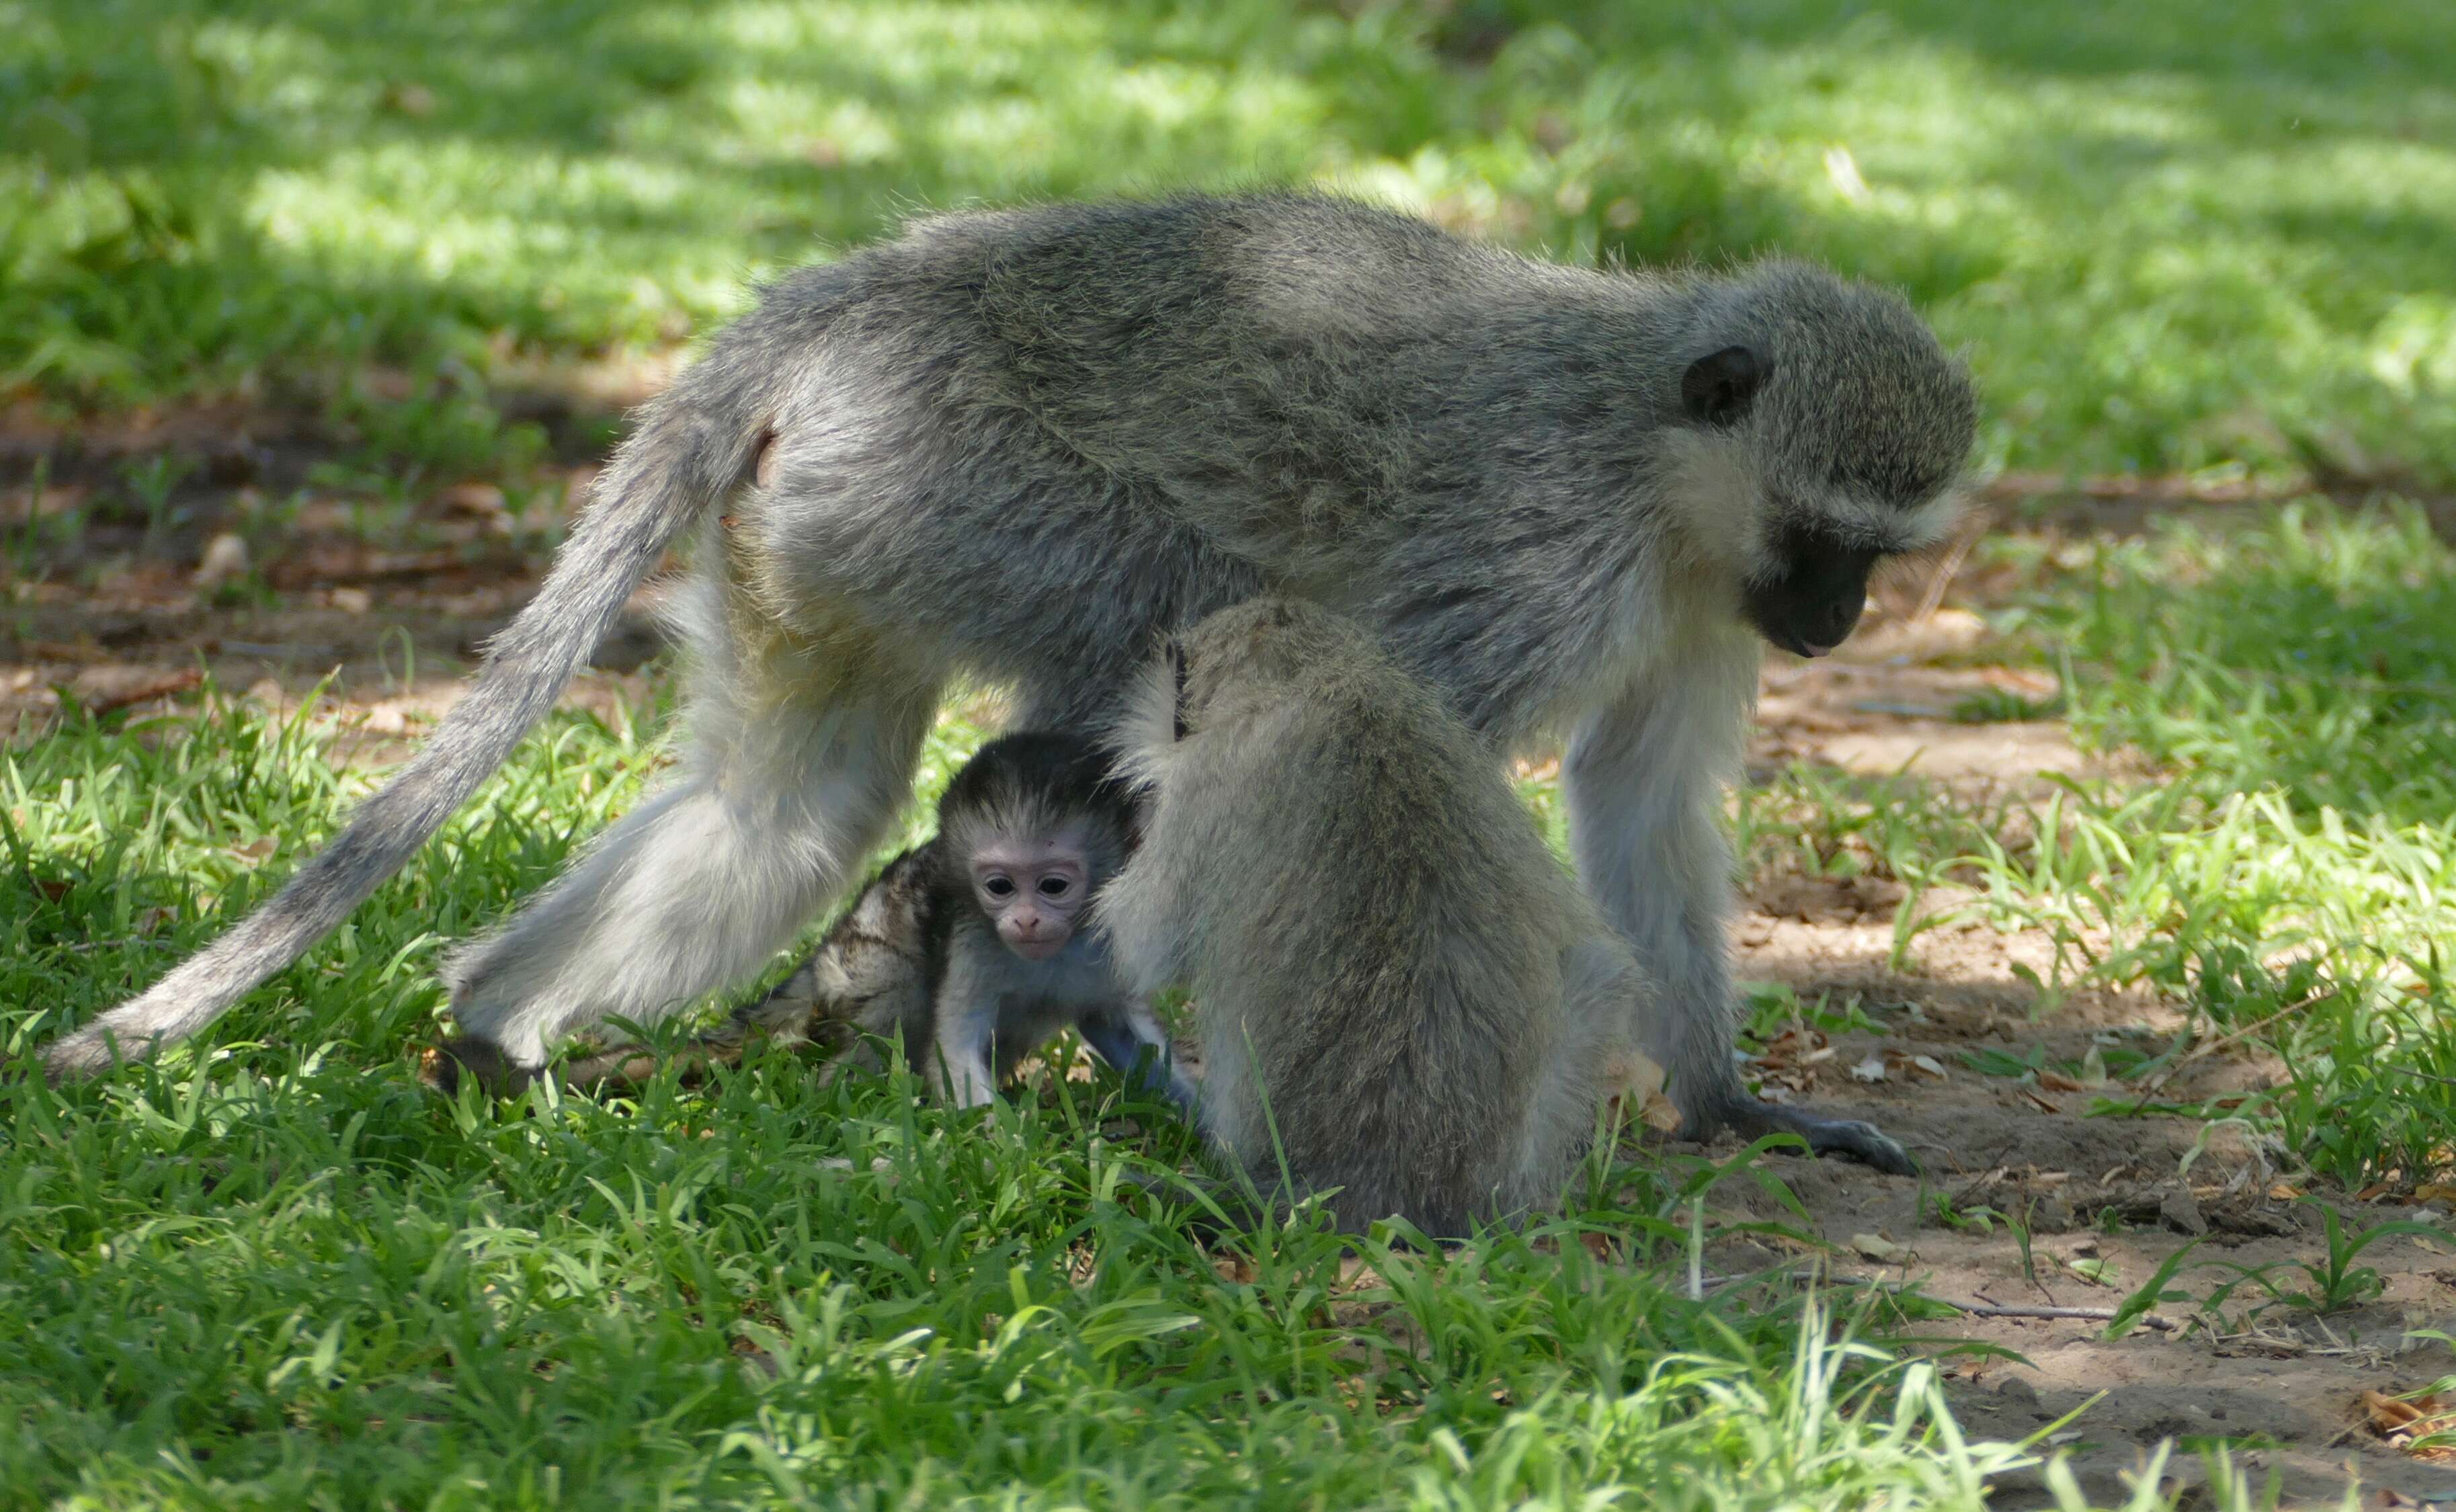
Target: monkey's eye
[[1053, 887], [998, 886]]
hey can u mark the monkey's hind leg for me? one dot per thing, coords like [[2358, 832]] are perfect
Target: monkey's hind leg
[[788, 1014], [798, 759]]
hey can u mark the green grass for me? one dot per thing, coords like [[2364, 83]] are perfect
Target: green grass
[[2291, 872], [2170, 243], [272, 1271]]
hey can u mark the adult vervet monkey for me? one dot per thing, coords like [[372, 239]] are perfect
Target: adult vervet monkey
[[1021, 444]]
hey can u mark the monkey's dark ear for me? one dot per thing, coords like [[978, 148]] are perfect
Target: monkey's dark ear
[[1177, 678], [1718, 388]]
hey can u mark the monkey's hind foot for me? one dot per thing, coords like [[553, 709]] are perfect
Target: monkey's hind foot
[[1824, 1136], [480, 1061]]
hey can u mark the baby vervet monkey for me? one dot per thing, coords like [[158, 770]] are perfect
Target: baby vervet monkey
[[972, 950], [1400, 992]]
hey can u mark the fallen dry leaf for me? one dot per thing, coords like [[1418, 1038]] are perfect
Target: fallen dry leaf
[[1911, 1067], [1879, 1249], [411, 99], [2401, 1421], [225, 558], [483, 500], [1634, 1076], [2058, 1081], [151, 689], [2043, 1105], [1790, 1059]]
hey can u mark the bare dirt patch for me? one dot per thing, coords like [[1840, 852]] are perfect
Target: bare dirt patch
[[2104, 1199]]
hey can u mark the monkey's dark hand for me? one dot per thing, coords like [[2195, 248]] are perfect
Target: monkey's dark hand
[[493, 1072], [1826, 1136]]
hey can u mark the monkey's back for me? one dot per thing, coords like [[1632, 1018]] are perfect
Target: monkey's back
[[1396, 923]]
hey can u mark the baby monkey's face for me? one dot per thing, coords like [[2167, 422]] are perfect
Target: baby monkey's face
[[1033, 890]]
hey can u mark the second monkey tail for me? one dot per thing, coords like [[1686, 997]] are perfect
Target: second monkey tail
[[691, 447]]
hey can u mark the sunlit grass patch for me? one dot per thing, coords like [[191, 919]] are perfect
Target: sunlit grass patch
[[2167, 245]]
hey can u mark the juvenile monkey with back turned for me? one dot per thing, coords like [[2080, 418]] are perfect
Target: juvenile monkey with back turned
[[1403, 999], [1021, 445]]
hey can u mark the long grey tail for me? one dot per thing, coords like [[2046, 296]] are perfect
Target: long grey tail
[[691, 447]]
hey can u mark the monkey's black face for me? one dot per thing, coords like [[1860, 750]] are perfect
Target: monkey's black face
[[1812, 605]]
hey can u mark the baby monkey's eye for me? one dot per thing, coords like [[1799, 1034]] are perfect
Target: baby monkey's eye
[[1053, 887], [998, 886]]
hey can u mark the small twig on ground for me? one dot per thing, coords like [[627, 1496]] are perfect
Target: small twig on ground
[[179, 681], [2088, 1315], [2098, 1314], [2210, 1047], [2279, 1344]]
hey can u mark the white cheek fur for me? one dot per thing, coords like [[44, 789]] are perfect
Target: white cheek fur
[[1890, 530]]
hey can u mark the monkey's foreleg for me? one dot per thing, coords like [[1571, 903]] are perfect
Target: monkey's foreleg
[[1642, 781], [1129, 1038], [963, 1067]]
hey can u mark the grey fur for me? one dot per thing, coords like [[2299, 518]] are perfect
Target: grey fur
[[1022, 444], [1400, 992]]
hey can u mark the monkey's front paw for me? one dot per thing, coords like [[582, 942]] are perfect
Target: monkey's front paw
[[480, 1061], [1862, 1142], [1824, 1136]]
